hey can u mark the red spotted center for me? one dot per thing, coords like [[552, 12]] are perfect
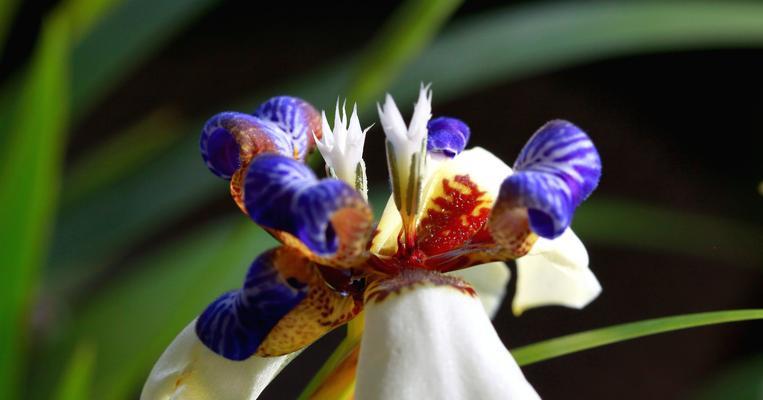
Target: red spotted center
[[454, 221]]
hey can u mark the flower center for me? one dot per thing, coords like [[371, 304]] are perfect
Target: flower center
[[450, 229]]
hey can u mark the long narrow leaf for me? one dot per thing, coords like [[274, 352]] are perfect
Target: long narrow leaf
[[120, 156], [564, 345], [401, 39], [638, 226], [77, 377], [531, 39], [29, 178]]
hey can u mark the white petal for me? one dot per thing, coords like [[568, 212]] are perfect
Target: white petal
[[435, 342], [482, 167], [392, 122], [328, 136], [555, 272], [384, 241], [422, 112], [187, 370], [489, 280]]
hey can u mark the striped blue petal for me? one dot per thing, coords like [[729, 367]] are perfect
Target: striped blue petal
[[226, 134], [447, 136], [235, 324], [296, 117], [283, 194], [557, 169]]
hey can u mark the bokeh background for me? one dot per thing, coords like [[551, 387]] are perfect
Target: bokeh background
[[113, 235]]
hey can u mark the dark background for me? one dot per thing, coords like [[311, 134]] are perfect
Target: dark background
[[676, 130]]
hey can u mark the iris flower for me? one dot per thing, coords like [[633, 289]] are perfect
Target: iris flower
[[426, 333]]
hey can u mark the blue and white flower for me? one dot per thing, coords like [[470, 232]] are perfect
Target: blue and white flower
[[418, 273]]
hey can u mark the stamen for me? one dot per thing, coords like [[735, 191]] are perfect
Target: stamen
[[406, 157], [342, 148]]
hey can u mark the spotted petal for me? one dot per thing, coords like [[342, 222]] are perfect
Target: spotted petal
[[555, 272], [283, 306], [447, 136], [327, 219], [556, 170], [296, 117], [235, 325], [189, 370]]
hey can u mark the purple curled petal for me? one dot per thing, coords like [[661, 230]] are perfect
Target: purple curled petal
[[296, 117], [284, 194], [447, 135], [235, 324], [226, 134], [557, 169]]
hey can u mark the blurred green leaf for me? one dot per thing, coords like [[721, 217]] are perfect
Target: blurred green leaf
[[127, 36], [121, 155], [638, 226], [98, 228], [568, 344], [29, 179], [400, 40], [535, 38], [740, 381], [77, 377], [83, 14], [7, 11]]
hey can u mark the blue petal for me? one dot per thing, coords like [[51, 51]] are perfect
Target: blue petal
[[294, 116], [557, 169], [235, 324], [284, 194], [447, 135], [225, 134]]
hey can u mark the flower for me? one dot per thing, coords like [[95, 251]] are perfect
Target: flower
[[427, 334]]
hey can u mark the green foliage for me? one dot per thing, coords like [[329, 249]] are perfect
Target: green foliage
[[520, 41], [622, 223], [401, 39], [29, 179], [120, 155], [124, 38], [7, 11], [739, 381], [76, 380], [599, 337]]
